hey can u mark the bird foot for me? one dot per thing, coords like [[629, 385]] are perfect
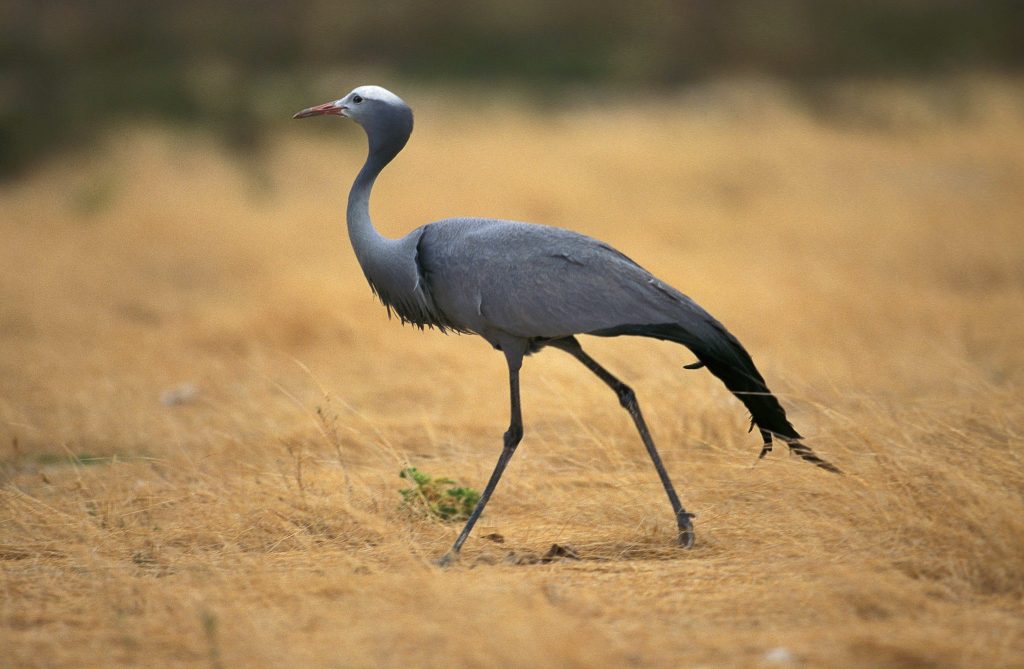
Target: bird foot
[[686, 534], [448, 559]]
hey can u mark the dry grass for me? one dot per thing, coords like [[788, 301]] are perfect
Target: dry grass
[[877, 276]]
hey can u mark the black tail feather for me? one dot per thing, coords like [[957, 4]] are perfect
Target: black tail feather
[[767, 437], [741, 377], [805, 452], [799, 448], [723, 355]]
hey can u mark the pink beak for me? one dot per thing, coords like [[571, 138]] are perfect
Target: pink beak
[[331, 107]]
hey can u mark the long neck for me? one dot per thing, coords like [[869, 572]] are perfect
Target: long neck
[[366, 241], [361, 233]]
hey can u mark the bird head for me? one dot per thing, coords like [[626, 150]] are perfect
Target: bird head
[[373, 107]]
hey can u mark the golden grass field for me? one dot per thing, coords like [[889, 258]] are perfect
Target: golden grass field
[[203, 411]]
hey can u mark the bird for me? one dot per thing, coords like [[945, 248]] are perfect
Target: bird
[[525, 287]]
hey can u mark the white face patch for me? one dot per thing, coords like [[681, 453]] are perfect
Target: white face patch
[[378, 93]]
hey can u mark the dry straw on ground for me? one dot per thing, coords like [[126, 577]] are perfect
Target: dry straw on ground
[[203, 414]]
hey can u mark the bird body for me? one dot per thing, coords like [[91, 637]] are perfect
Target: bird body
[[523, 286], [505, 278]]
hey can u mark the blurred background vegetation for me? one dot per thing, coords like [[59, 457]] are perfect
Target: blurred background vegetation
[[71, 69]]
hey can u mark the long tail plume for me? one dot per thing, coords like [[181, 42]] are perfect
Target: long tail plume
[[797, 447], [723, 355]]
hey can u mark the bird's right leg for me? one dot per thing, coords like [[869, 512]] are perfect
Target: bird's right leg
[[627, 398], [511, 439]]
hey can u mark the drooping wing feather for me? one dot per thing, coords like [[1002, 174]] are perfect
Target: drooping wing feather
[[502, 278]]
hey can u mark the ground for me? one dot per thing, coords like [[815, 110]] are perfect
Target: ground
[[204, 413]]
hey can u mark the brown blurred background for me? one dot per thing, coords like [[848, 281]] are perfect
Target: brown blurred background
[[72, 68]]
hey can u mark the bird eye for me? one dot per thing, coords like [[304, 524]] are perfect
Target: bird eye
[[357, 99]]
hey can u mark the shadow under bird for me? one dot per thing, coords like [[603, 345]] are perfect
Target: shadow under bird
[[523, 287]]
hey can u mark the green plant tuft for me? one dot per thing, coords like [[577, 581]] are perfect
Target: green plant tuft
[[437, 497]]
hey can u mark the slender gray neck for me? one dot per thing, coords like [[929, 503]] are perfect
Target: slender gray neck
[[387, 136], [361, 233]]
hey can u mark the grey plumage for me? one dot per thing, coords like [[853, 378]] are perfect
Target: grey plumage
[[523, 286]]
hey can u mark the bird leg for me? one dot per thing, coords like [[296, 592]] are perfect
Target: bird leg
[[627, 398], [511, 439]]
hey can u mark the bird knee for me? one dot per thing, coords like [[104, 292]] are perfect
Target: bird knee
[[627, 398], [513, 436]]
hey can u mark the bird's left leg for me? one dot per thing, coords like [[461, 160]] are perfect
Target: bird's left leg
[[627, 398], [514, 357]]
